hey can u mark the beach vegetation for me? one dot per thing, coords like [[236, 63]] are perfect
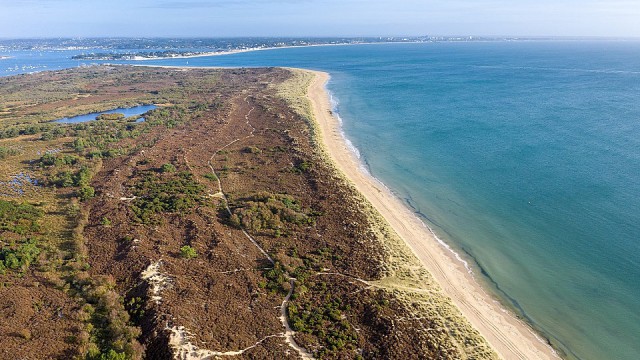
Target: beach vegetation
[[19, 218], [56, 159], [302, 167], [327, 323], [20, 256]]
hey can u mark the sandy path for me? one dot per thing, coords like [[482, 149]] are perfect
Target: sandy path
[[510, 337], [289, 333]]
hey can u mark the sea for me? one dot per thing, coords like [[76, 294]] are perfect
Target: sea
[[523, 156]]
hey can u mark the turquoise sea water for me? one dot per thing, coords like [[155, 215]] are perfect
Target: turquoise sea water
[[524, 156]]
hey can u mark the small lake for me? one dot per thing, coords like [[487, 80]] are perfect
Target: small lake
[[128, 112]]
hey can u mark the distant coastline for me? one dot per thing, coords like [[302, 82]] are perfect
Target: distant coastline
[[187, 50], [142, 56]]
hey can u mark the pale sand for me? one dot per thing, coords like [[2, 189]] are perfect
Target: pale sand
[[509, 337], [238, 51]]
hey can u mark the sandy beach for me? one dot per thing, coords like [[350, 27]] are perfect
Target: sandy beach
[[510, 337], [239, 51]]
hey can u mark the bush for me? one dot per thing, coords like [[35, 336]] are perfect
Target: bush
[[211, 176], [5, 152], [63, 179], [268, 213], [19, 218], [19, 258], [51, 159], [114, 116], [168, 168], [277, 279], [252, 150], [187, 252], [86, 192], [154, 194], [302, 166]]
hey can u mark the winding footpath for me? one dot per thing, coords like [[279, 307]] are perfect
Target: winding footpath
[[289, 333], [179, 336]]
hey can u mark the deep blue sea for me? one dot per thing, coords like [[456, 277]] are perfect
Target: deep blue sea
[[524, 156]]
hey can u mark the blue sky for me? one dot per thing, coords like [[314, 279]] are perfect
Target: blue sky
[[46, 18]]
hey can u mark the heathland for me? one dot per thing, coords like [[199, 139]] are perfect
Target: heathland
[[217, 227]]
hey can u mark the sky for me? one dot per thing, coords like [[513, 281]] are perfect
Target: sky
[[224, 18]]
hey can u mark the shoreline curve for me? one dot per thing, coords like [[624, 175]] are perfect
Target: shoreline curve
[[509, 336]]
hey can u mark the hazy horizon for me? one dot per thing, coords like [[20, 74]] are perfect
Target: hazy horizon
[[307, 18], [416, 36]]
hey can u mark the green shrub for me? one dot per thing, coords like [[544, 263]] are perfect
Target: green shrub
[[168, 168], [6, 152], [268, 213], [63, 179], [276, 278], [302, 166], [51, 159], [19, 218], [86, 192], [114, 116], [187, 252], [19, 257], [156, 194], [83, 177], [79, 144], [325, 322], [211, 176], [252, 150], [11, 261]]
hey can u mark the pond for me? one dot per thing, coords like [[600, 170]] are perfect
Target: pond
[[128, 112]]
